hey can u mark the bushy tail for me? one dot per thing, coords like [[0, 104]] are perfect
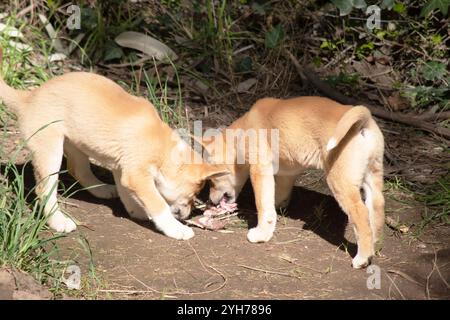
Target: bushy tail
[[358, 115], [9, 96]]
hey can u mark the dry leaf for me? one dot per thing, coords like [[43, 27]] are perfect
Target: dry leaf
[[10, 31], [57, 57], [378, 73], [246, 85], [57, 44], [146, 44], [19, 46], [397, 102]]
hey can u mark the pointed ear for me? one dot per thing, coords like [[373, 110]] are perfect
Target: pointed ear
[[214, 171], [201, 141]]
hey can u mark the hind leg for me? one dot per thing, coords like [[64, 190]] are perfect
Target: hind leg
[[283, 190], [373, 189], [47, 149], [80, 168], [349, 198]]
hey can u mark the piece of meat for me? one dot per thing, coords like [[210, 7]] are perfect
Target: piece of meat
[[214, 217], [208, 223], [222, 208]]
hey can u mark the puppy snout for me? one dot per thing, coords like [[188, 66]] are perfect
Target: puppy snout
[[215, 197], [229, 197], [181, 212]]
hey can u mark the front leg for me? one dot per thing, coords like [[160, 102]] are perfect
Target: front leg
[[263, 183], [133, 206], [155, 206]]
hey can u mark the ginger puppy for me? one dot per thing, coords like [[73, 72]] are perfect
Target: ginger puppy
[[85, 115], [313, 132]]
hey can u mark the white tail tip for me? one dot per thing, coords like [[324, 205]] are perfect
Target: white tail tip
[[331, 144]]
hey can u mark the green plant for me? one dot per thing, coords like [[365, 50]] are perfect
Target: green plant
[[343, 78], [171, 109], [274, 37], [431, 5], [346, 6], [437, 199], [100, 25], [24, 242]]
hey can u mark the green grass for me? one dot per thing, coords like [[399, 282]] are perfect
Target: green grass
[[168, 102], [24, 242], [433, 201], [437, 202]]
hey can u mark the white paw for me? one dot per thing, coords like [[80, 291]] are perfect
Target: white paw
[[180, 232], [259, 234], [60, 223], [171, 227], [359, 262], [108, 191]]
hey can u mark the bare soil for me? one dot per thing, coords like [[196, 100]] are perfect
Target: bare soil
[[309, 256], [17, 285]]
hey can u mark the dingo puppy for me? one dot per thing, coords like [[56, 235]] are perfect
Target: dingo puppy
[[85, 115], [314, 132]]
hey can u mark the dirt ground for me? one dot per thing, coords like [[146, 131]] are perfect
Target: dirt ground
[[17, 285], [309, 256]]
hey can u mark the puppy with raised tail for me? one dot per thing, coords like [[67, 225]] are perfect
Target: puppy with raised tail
[[313, 132], [84, 115]]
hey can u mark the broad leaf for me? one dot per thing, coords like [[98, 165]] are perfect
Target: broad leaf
[[387, 4], [344, 6], [433, 70], [112, 51], [273, 37], [431, 5], [359, 4], [146, 44]]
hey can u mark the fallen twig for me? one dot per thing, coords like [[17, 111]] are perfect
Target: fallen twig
[[393, 224], [405, 276], [427, 116], [151, 290], [326, 89], [284, 274], [138, 62], [396, 287], [427, 287]]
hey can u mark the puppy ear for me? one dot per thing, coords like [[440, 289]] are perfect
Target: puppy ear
[[214, 171]]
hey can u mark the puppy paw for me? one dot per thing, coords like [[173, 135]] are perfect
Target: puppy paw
[[171, 227], [360, 262], [60, 223], [180, 232], [108, 191], [259, 234]]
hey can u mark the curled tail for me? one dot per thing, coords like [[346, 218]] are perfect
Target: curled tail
[[358, 115], [11, 97]]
